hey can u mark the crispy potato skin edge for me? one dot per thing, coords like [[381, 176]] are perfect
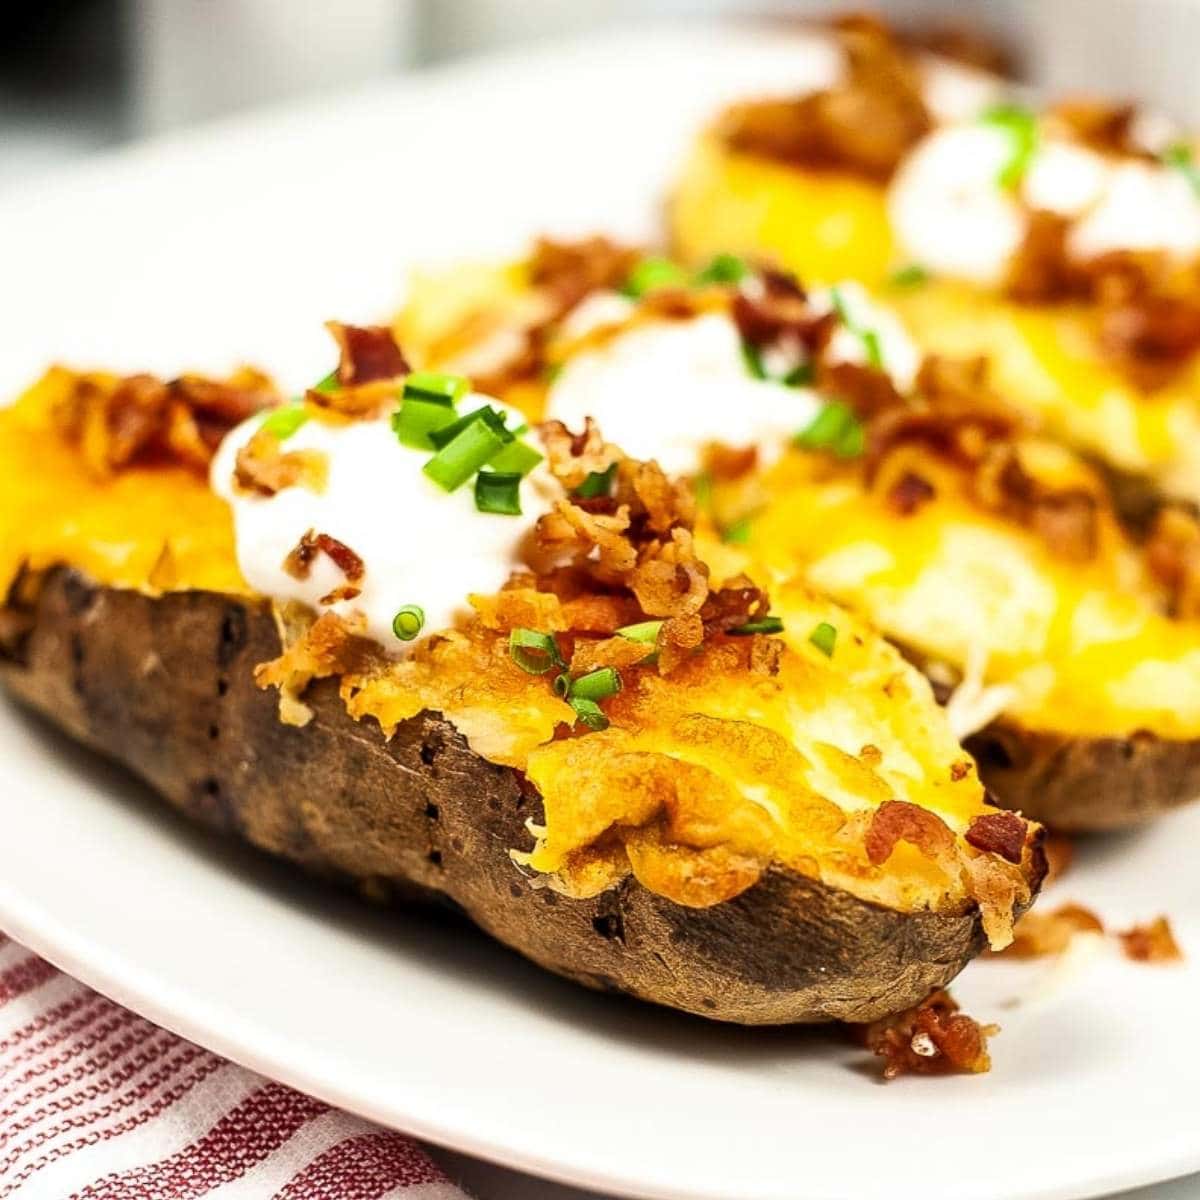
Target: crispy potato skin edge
[[164, 686], [1085, 784]]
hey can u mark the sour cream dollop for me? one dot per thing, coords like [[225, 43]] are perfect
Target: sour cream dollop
[[420, 544], [951, 213], [666, 389]]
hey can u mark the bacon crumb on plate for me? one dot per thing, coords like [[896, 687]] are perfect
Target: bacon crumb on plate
[[934, 1038]]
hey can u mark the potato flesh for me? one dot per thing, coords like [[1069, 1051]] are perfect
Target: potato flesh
[[1084, 645]]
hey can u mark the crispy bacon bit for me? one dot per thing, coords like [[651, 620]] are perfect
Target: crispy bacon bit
[[1039, 934], [898, 820], [141, 420], [342, 592], [867, 390], [1100, 125], [1001, 833], [264, 467], [866, 123], [960, 770], [934, 1038], [729, 462], [615, 652], [299, 561], [908, 493], [368, 353], [1151, 335], [1173, 555], [569, 271], [1152, 943], [1041, 269], [766, 653]]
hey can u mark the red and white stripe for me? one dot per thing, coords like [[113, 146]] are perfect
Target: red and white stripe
[[98, 1104]]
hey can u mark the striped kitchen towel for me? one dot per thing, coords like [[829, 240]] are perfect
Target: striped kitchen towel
[[98, 1104]]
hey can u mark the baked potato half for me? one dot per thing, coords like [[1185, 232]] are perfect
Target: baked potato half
[[1062, 244], [903, 486], [741, 826]]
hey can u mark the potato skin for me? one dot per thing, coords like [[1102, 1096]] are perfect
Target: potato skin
[[1085, 784], [164, 686]]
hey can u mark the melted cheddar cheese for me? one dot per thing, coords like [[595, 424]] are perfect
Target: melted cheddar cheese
[[1084, 646], [154, 528]]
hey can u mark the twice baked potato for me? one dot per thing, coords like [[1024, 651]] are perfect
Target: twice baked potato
[[907, 489], [1062, 244], [633, 768]]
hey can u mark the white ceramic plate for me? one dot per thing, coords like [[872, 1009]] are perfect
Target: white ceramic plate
[[236, 243]]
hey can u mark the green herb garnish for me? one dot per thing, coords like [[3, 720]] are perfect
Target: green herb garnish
[[823, 637], [752, 357], [534, 652], [835, 429], [597, 483], [415, 421], [596, 685], [475, 444], [283, 422], [800, 376], [436, 387], [643, 631], [724, 268], [516, 457], [328, 384], [868, 337], [1020, 124], [651, 274], [589, 713], [408, 622], [909, 277], [767, 624], [737, 534], [498, 492], [1181, 157]]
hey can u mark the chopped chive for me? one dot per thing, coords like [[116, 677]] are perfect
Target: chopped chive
[[589, 713], [870, 341], [551, 371], [868, 337], [596, 685], [597, 483], [1020, 124], [408, 622], [562, 684], [643, 631], [328, 384], [836, 429], [498, 492], [724, 268], [1181, 157], [907, 277], [415, 421], [443, 437], [534, 652], [469, 450], [737, 534], [283, 422], [823, 637], [435, 387], [766, 624], [517, 457], [752, 357], [800, 376], [651, 274]]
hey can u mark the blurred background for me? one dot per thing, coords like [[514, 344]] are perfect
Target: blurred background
[[77, 75]]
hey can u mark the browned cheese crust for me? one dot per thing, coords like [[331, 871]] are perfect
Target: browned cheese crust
[[164, 686], [1079, 784]]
